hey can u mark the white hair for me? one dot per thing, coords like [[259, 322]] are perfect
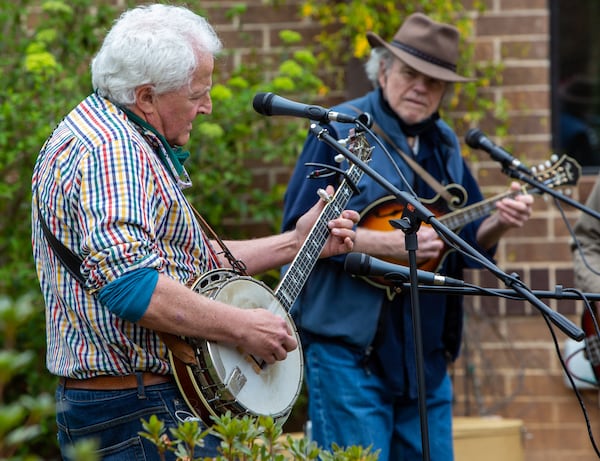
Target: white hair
[[153, 44], [378, 54]]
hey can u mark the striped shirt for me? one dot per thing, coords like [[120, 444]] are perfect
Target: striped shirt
[[106, 195]]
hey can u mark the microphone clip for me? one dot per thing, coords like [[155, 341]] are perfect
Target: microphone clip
[[364, 122], [409, 222]]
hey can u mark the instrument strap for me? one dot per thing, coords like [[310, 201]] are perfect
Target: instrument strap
[[68, 258], [430, 180], [237, 265]]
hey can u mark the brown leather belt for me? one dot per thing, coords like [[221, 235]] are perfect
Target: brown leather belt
[[107, 382]]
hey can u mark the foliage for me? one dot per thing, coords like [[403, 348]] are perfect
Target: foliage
[[45, 55], [24, 408], [42, 51], [246, 438], [345, 25]]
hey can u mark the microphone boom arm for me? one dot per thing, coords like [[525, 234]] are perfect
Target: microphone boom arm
[[518, 175]]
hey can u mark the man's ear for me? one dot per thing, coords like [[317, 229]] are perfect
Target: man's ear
[[144, 98]]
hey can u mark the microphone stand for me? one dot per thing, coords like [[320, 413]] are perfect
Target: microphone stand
[[423, 214], [409, 223], [413, 215]]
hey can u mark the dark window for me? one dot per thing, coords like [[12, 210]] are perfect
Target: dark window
[[575, 43]]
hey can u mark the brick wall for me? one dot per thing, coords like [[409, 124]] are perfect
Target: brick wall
[[509, 365]]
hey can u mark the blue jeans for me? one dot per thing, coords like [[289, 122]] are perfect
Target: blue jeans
[[113, 418], [349, 405]]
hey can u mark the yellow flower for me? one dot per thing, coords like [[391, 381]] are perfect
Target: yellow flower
[[283, 84], [290, 36], [39, 61], [306, 10], [361, 47], [291, 69], [238, 82]]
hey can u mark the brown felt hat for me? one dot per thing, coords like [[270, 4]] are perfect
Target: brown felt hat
[[425, 45]]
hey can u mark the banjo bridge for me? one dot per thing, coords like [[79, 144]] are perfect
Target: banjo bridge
[[236, 381], [256, 363]]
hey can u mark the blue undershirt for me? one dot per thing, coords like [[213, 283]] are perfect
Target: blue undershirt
[[128, 297]]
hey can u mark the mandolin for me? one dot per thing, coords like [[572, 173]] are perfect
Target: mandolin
[[564, 171]]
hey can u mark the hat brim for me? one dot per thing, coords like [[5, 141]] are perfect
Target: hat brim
[[422, 66]]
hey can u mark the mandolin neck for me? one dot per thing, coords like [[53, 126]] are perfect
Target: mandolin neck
[[463, 216]]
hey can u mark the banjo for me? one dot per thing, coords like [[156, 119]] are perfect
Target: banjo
[[218, 378]]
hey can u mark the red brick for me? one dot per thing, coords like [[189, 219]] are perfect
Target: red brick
[[508, 26], [525, 49]]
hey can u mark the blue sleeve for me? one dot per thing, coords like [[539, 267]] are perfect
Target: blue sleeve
[[128, 296]]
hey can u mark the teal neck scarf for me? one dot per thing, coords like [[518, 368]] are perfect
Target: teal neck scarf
[[176, 154]]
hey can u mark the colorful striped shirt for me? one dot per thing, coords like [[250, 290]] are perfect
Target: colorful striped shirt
[[106, 195]]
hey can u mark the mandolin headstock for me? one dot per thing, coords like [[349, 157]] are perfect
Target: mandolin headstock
[[558, 171]]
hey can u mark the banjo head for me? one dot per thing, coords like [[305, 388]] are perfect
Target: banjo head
[[235, 380]]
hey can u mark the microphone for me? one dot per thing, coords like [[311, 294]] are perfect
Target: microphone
[[271, 104], [365, 265], [477, 140]]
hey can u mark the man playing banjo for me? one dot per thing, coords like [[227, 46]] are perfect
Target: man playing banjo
[[108, 187]]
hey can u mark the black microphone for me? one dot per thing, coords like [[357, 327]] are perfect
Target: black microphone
[[271, 104], [477, 140], [367, 266]]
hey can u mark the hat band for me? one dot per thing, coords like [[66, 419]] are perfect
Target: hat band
[[425, 57]]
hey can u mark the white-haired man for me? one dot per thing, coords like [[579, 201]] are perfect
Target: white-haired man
[[108, 186]]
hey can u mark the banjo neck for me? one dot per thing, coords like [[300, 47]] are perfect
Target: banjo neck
[[300, 268]]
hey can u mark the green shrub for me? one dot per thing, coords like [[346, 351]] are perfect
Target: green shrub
[[247, 438]]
